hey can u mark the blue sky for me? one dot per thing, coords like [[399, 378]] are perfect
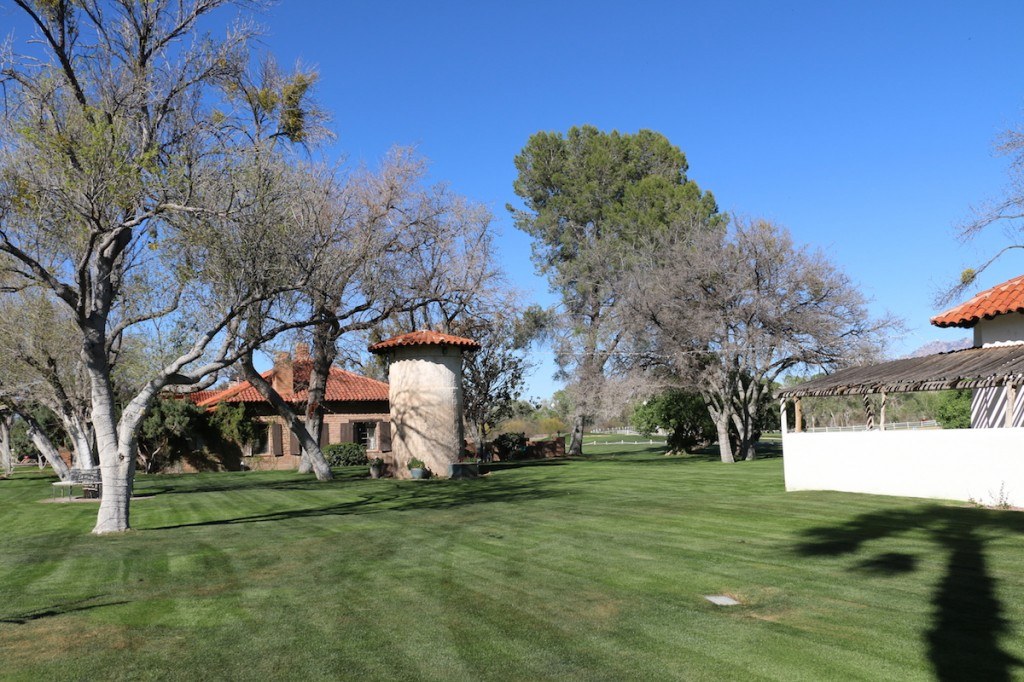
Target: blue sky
[[866, 128]]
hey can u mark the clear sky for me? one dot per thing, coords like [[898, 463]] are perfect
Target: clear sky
[[866, 128]]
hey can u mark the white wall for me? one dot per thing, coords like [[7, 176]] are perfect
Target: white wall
[[1005, 328], [960, 464], [988, 408], [425, 390]]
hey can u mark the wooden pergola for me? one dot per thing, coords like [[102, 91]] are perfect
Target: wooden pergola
[[993, 367]]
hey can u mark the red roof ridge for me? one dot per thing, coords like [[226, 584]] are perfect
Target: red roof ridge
[[234, 389], [1001, 299], [346, 386], [424, 337]]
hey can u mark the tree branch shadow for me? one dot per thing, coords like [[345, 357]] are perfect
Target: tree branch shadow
[[400, 496], [968, 625], [60, 610]]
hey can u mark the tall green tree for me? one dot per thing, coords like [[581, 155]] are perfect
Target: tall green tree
[[590, 197], [683, 413]]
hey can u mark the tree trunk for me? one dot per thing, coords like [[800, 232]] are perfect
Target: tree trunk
[[576, 441], [6, 456], [115, 503], [320, 466], [744, 436], [116, 458], [314, 425], [305, 464], [81, 443], [324, 352], [724, 446], [480, 440], [46, 448]]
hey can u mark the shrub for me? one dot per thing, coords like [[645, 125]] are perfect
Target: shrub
[[345, 454], [954, 412], [416, 464], [511, 446]]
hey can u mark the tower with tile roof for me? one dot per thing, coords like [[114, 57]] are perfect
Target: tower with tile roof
[[425, 395]]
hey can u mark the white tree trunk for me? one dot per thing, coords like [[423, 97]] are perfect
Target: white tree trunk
[[81, 441], [724, 446], [6, 456], [47, 450], [116, 468]]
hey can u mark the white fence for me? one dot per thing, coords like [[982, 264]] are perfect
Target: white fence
[[896, 426], [981, 465], [625, 442], [624, 431]]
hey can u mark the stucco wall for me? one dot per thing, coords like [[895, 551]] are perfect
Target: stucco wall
[[1000, 329], [964, 464], [988, 408], [988, 405], [426, 407]]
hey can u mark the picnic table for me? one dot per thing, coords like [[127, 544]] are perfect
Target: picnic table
[[88, 479]]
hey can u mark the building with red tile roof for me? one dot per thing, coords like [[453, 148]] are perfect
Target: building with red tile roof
[[355, 409], [1001, 299], [424, 337]]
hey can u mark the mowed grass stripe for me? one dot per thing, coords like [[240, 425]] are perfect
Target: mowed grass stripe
[[595, 569]]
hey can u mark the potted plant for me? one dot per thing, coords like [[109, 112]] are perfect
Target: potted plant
[[417, 468], [376, 467]]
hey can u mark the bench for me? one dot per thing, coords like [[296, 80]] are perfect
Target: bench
[[89, 480]]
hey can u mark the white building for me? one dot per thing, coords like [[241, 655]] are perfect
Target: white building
[[984, 463]]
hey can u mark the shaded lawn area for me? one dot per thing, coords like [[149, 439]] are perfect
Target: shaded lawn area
[[590, 569]]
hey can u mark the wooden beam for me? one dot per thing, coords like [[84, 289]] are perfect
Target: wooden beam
[[1011, 404], [799, 416], [869, 412]]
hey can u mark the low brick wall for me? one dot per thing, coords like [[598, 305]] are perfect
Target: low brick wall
[[546, 448]]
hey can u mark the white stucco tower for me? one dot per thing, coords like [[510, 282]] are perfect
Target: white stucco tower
[[425, 378]]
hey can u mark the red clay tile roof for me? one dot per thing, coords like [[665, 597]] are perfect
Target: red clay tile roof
[[196, 397], [1007, 297], [342, 386], [424, 337]]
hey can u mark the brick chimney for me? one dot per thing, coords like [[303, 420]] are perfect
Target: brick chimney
[[301, 351], [283, 375]]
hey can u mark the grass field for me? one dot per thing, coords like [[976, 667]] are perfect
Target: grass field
[[582, 570]]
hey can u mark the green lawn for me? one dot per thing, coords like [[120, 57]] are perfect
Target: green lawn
[[581, 570]]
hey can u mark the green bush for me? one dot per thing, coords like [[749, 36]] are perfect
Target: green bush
[[345, 454], [954, 412]]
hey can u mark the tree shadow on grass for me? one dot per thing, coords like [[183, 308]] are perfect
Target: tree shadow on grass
[[247, 481], [964, 641], [501, 466], [658, 454], [60, 610], [403, 496]]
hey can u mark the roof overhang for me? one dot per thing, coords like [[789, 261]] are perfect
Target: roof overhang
[[967, 368]]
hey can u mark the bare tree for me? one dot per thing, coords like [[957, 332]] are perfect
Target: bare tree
[[1007, 211], [41, 364], [136, 192], [396, 247], [727, 314]]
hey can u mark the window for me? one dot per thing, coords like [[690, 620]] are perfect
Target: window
[[366, 433]]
